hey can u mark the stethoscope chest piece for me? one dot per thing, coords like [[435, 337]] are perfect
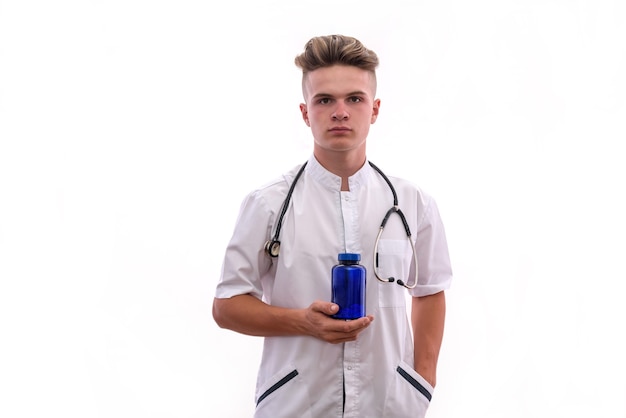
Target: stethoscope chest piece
[[272, 248]]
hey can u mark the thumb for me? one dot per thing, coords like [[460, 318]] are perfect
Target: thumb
[[327, 308], [332, 308]]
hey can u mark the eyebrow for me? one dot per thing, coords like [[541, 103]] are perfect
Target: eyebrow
[[353, 93]]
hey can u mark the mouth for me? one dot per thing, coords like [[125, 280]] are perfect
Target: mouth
[[339, 129]]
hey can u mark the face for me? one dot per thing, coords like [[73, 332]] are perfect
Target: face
[[339, 108]]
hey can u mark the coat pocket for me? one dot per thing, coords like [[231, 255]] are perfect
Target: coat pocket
[[284, 395], [292, 374], [410, 394], [394, 260]]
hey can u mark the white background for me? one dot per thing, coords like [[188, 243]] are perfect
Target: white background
[[131, 130]]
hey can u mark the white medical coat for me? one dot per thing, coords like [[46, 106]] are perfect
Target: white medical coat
[[303, 377]]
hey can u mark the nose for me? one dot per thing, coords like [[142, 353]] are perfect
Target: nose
[[340, 112]]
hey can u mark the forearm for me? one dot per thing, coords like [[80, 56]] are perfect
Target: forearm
[[249, 315], [428, 318]]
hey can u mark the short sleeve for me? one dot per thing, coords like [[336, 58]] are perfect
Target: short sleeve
[[245, 260], [434, 267]]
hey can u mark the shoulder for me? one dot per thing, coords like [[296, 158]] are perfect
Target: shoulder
[[276, 189], [412, 196], [411, 190]]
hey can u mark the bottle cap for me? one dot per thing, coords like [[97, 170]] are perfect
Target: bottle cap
[[349, 257]]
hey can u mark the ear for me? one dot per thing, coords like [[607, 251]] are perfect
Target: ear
[[305, 114], [375, 109]]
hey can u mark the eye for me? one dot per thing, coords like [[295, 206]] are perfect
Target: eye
[[354, 99], [324, 100]]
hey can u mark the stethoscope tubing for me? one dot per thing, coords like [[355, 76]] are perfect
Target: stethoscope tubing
[[407, 229], [272, 246]]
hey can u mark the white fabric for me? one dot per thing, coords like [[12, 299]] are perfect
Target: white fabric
[[321, 222]]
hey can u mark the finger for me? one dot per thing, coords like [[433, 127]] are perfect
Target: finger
[[362, 323], [354, 325], [326, 308], [341, 337], [342, 340]]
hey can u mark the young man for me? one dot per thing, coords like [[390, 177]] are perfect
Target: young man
[[276, 281]]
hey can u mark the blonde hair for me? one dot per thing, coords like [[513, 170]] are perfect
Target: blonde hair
[[324, 51], [329, 50]]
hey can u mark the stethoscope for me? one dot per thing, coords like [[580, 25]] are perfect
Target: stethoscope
[[272, 247]]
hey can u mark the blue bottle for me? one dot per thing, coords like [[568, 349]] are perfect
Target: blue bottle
[[348, 286]]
